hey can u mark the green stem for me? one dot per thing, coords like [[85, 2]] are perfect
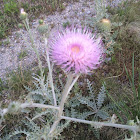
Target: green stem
[[50, 74], [26, 23], [65, 93], [94, 123]]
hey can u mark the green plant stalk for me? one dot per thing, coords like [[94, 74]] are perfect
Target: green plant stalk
[[65, 93], [26, 105], [133, 84], [94, 123], [131, 80], [135, 129], [26, 23], [50, 73], [117, 104], [70, 83]]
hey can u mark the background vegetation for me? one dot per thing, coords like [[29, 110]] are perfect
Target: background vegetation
[[10, 9], [121, 74]]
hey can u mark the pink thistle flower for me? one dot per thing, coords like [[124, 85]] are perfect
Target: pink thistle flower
[[77, 50]]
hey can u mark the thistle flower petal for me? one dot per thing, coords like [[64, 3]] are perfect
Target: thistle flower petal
[[77, 50]]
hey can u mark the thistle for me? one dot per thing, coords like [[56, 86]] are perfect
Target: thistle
[[42, 28], [77, 51], [20, 25], [23, 14], [105, 25]]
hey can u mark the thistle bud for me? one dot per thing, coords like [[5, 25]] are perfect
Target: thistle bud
[[23, 14], [131, 122], [41, 21], [14, 107], [105, 25], [20, 25], [42, 28]]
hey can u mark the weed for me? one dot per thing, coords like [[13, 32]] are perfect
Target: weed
[[6, 42], [1, 43], [10, 10], [1, 85], [126, 12], [3, 30], [8, 16], [61, 6], [17, 80], [10, 7], [45, 72], [22, 54], [129, 104]]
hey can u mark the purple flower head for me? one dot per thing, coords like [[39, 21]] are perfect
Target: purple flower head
[[77, 50]]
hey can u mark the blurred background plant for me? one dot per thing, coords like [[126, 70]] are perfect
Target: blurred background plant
[[9, 11]]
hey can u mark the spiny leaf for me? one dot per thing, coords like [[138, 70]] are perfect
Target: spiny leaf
[[84, 100], [101, 97]]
